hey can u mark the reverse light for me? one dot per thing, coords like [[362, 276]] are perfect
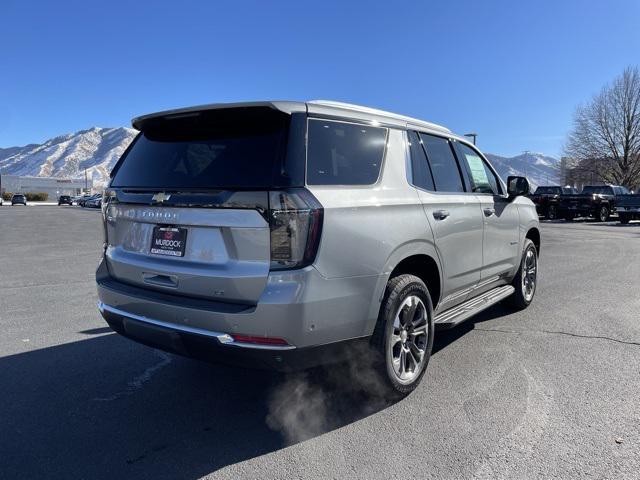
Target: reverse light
[[295, 221]]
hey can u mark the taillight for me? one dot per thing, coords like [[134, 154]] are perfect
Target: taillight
[[295, 220], [107, 214]]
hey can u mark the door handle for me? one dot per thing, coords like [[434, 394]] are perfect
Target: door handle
[[489, 211], [440, 214]]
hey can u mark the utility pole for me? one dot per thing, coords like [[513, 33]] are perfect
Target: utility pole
[[85, 181]]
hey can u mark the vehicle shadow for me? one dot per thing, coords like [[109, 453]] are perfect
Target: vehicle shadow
[[444, 338], [106, 407]]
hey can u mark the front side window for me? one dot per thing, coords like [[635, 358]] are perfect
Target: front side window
[[420, 172], [340, 153], [598, 190], [482, 177], [446, 174]]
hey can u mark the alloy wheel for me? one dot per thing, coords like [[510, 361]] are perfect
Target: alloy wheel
[[408, 340], [529, 274]]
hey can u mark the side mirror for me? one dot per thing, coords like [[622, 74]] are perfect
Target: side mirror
[[517, 186]]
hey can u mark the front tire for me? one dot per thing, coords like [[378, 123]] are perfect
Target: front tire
[[603, 214], [526, 280], [403, 337], [552, 213]]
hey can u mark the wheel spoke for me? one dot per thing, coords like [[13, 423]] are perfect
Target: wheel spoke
[[396, 321], [413, 360], [419, 331], [416, 352], [413, 305], [397, 364]]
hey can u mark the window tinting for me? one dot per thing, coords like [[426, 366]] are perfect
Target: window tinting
[[601, 190], [484, 180], [343, 153], [225, 149], [444, 166], [550, 190], [421, 175]]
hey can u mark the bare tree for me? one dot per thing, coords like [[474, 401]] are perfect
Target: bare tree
[[605, 140]]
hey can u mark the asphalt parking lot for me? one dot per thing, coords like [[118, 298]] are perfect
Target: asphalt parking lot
[[552, 391]]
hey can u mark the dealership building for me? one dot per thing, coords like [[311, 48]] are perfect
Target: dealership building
[[53, 186]]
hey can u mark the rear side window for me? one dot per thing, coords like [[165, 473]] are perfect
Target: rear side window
[[421, 174], [341, 153], [446, 174], [219, 149]]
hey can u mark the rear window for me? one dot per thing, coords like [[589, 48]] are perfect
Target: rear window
[[217, 149], [341, 153]]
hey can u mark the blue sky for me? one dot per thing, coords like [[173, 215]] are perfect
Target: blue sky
[[513, 71]]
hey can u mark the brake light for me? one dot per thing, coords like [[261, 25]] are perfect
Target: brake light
[[295, 221], [259, 340]]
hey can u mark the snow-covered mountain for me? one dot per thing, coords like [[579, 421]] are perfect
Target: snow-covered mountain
[[538, 168], [98, 149]]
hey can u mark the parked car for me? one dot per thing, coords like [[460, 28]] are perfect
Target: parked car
[[64, 200], [18, 199], [94, 201], [83, 198], [286, 235], [1, 201], [597, 201], [547, 198], [628, 208]]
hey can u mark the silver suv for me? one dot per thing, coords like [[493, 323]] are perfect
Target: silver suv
[[287, 234]]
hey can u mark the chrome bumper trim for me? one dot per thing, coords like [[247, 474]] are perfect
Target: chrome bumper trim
[[223, 338]]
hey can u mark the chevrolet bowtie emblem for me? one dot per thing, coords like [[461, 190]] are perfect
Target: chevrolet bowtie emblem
[[160, 197]]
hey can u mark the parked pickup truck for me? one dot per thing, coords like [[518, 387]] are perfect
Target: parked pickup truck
[[628, 208], [597, 201], [546, 199]]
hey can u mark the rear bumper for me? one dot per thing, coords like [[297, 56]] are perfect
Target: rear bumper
[[317, 317], [217, 347]]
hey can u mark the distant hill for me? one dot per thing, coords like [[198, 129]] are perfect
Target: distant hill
[[97, 150], [538, 168]]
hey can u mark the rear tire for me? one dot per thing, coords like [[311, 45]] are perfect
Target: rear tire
[[624, 219], [526, 280], [552, 213], [403, 337]]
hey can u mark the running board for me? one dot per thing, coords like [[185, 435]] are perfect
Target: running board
[[452, 317]]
